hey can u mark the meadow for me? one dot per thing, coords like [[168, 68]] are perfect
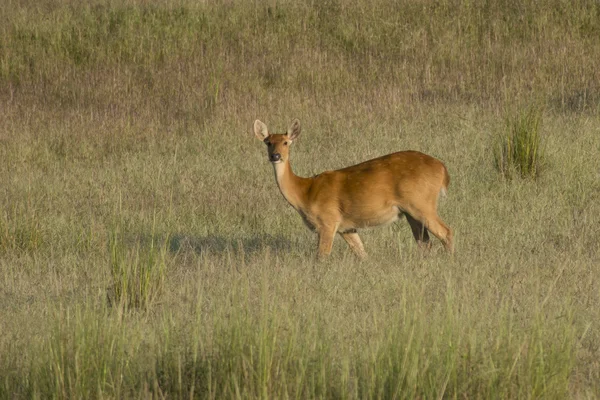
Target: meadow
[[146, 251]]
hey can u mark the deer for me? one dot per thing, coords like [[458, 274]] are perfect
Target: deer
[[373, 193]]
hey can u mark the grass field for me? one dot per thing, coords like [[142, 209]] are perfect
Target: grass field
[[145, 249]]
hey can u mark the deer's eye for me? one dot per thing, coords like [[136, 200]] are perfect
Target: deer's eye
[[285, 143]]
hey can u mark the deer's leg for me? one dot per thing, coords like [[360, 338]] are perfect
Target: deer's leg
[[419, 232], [326, 235], [426, 215], [356, 245], [439, 229]]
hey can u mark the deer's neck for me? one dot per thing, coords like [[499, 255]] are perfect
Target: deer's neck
[[293, 187]]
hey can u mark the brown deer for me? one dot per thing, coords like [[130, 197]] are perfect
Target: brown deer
[[372, 193]]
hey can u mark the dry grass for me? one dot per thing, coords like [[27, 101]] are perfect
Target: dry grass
[[139, 115]]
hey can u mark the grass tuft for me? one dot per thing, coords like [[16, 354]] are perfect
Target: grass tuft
[[20, 231], [518, 151], [137, 274]]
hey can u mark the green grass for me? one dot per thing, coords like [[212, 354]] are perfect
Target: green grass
[[137, 275], [519, 148], [146, 252]]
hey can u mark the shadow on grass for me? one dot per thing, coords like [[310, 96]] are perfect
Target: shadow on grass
[[221, 244]]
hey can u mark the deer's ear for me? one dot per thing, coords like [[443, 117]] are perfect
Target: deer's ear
[[294, 130], [260, 130]]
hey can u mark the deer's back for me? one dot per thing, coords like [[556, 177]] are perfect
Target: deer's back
[[375, 191]]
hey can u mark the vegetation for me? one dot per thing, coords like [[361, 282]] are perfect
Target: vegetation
[[518, 150], [137, 277], [145, 250]]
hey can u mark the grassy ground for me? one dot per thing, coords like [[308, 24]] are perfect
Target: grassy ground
[[145, 250]]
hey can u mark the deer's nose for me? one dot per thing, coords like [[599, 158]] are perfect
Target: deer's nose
[[275, 157]]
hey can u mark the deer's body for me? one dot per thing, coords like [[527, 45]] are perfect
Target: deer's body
[[372, 193]]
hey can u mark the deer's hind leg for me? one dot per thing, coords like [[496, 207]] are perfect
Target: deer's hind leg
[[442, 231], [426, 219], [419, 232]]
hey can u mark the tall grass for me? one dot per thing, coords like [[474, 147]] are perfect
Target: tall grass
[[95, 353], [87, 357]]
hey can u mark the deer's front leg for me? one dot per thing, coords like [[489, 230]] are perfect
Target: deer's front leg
[[326, 235]]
